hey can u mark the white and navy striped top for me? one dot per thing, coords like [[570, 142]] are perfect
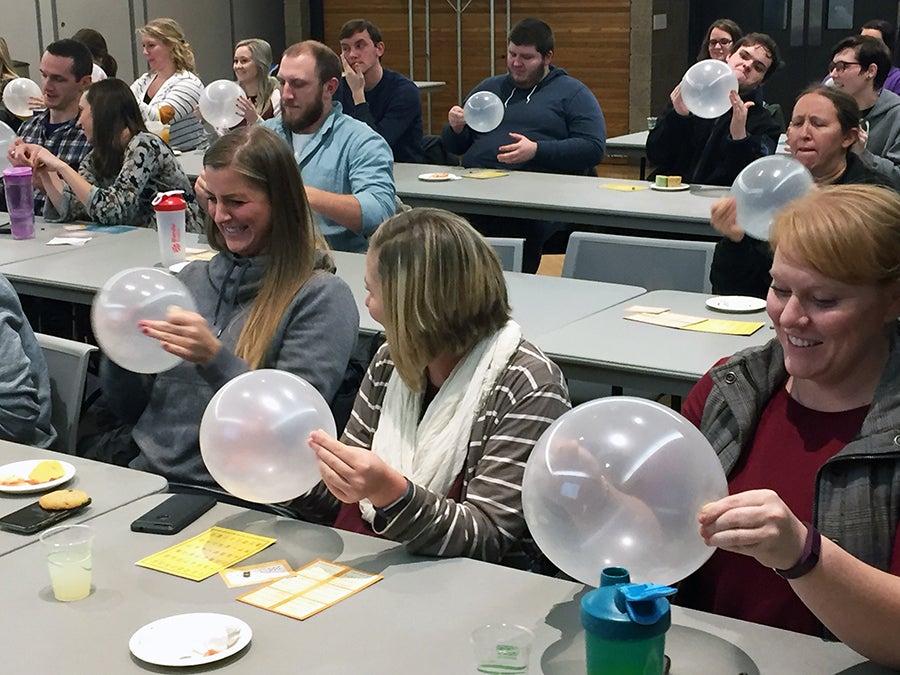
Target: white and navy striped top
[[182, 92]]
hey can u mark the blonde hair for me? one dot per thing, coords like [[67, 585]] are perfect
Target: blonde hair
[[7, 70], [850, 233], [266, 162], [442, 288], [170, 34], [261, 55]]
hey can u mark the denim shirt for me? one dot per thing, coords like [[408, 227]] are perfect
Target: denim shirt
[[345, 156]]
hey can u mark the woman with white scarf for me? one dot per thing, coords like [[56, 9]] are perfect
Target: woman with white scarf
[[450, 408]]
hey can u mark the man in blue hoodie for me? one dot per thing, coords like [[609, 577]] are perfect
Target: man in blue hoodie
[[551, 123]]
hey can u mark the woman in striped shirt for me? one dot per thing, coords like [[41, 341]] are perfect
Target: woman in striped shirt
[[451, 405], [170, 91]]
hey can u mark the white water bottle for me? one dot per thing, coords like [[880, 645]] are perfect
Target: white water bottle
[[170, 210]]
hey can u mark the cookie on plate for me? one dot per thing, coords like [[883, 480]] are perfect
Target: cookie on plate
[[63, 500]]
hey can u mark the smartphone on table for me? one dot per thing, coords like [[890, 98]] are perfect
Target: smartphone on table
[[34, 518], [174, 514]]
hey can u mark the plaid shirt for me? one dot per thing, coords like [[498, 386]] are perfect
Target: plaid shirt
[[66, 142]]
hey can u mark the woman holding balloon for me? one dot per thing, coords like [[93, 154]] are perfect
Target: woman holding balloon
[[823, 129], [125, 169], [7, 74], [450, 408], [806, 429], [267, 300], [170, 91], [262, 95]]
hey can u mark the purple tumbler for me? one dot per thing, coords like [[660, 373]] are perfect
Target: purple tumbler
[[20, 201]]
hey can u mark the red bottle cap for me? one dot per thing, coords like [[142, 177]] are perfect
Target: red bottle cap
[[169, 201]]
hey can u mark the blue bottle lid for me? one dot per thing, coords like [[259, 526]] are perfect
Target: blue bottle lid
[[620, 610]]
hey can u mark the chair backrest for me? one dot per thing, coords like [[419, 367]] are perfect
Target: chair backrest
[[655, 264], [509, 251], [67, 364]]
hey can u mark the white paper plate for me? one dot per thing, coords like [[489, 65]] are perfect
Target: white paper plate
[[437, 177], [24, 468], [171, 641], [736, 304], [680, 188]]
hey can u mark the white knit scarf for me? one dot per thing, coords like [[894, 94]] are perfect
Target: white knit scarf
[[432, 453]]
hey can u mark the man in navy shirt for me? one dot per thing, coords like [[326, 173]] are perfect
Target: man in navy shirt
[[382, 98]]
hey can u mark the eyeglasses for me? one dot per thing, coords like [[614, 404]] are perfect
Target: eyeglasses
[[724, 42], [841, 66]]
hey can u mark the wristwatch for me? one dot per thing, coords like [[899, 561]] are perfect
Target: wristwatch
[[812, 547]]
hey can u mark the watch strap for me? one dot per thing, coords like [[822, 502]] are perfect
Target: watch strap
[[812, 548]]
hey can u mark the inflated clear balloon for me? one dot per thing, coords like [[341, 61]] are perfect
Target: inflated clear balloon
[[765, 187], [619, 481], [484, 111], [97, 73], [128, 297], [253, 435], [7, 136], [706, 86], [218, 104], [16, 94]]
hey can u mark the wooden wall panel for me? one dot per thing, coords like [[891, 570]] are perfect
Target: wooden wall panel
[[592, 44]]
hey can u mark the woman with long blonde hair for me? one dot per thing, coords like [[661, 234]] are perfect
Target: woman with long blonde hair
[[269, 299], [262, 96], [170, 90]]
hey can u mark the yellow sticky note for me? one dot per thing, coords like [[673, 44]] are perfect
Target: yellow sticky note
[[207, 553], [726, 327], [646, 309], [200, 254], [667, 319], [622, 187], [486, 173]]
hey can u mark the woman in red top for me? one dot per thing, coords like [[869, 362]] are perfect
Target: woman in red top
[[807, 430]]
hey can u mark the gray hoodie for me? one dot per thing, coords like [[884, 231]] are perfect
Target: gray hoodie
[[314, 340], [882, 152]]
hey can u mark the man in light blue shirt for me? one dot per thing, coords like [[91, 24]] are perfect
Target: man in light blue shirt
[[347, 168]]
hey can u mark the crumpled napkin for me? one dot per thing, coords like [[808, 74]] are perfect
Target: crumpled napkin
[[71, 241], [218, 640]]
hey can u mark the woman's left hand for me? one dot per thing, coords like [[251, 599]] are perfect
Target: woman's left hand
[[41, 157], [755, 523], [353, 474], [247, 109], [738, 116], [184, 334]]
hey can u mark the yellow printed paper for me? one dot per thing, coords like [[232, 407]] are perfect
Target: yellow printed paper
[[486, 173], [667, 319], [623, 187], [206, 554], [646, 309], [310, 589], [726, 327]]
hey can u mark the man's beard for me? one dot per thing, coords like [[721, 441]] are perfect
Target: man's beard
[[307, 117]]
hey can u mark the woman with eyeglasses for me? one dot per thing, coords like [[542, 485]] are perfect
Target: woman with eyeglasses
[[720, 37], [824, 127], [860, 65]]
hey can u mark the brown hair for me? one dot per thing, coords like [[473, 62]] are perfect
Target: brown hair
[[266, 162], [442, 288], [328, 64], [728, 26]]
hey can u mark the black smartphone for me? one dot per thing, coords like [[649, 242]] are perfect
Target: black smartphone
[[174, 514], [34, 518]]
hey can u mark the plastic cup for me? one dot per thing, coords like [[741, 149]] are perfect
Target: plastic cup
[[160, 129], [68, 550], [17, 182], [502, 648]]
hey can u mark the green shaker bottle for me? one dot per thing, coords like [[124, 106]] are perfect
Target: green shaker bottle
[[625, 625]]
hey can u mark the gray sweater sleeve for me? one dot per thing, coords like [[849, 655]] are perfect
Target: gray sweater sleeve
[[21, 374]]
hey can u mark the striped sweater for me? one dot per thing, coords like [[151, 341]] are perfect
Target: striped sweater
[[182, 92], [487, 523]]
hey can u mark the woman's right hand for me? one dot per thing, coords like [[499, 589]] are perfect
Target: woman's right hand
[[723, 217], [247, 109]]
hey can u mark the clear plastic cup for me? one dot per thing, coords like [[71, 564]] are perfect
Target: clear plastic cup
[[68, 549], [502, 648]]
